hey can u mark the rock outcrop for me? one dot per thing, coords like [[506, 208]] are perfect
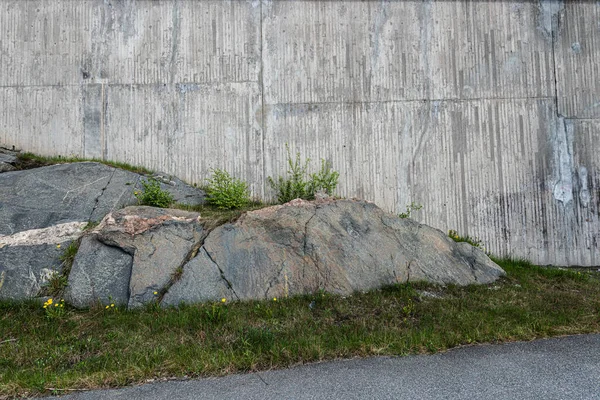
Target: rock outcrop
[[133, 255], [8, 159], [138, 255], [339, 246], [43, 210]]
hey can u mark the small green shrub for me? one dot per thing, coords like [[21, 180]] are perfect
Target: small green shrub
[[225, 192], [153, 195], [296, 185], [325, 180], [299, 184], [409, 209]]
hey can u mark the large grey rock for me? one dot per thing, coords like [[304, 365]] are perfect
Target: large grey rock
[[159, 241], [36, 203], [182, 192], [99, 273], [201, 281], [87, 191], [22, 274], [339, 246], [28, 259]]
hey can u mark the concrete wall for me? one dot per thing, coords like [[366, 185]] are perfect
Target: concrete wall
[[485, 112]]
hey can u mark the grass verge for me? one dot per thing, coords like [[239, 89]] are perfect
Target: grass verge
[[110, 347], [214, 216]]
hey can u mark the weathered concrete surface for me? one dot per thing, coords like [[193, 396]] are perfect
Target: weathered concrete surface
[[150, 245], [468, 108]]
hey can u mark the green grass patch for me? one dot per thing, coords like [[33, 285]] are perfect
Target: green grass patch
[[58, 282], [30, 160], [214, 216], [111, 347]]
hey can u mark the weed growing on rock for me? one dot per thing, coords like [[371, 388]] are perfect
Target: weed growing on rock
[[299, 184], [409, 209], [326, 180], [475, 242], [56, 284], [226, 192], [153, 195], [58, 280]]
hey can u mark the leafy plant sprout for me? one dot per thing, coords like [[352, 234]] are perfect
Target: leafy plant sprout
[[153, 195]]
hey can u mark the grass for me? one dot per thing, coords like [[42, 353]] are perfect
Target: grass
[[214, 216], [30, 160], [58, 282], [107, 348]]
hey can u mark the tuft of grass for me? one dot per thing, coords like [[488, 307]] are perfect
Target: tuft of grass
[[213, 216], [59, 280], [101, 348], [473, 241], [30, 160]]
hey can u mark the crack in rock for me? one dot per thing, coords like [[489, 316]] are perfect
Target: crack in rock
[[179, 270], [229, 285], [101, 193]]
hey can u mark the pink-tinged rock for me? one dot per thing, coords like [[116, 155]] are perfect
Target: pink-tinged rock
[[339, 246]]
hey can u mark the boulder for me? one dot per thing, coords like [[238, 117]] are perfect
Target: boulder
[[339, 246], [182, 192], [133, 255], [8, 159], [100, 274], [28, 259], [34, 202]]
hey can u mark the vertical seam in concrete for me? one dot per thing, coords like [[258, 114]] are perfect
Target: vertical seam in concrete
[[554, 32], [102, 117], [262, 103]]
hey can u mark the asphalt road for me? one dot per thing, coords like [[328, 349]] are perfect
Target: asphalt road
[[561, 368]]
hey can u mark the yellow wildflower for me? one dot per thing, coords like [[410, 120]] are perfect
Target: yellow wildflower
[[58, 246], [274, 298], [112, 305], [155, 293], [106, 307], [49, 301], [223, 300]]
